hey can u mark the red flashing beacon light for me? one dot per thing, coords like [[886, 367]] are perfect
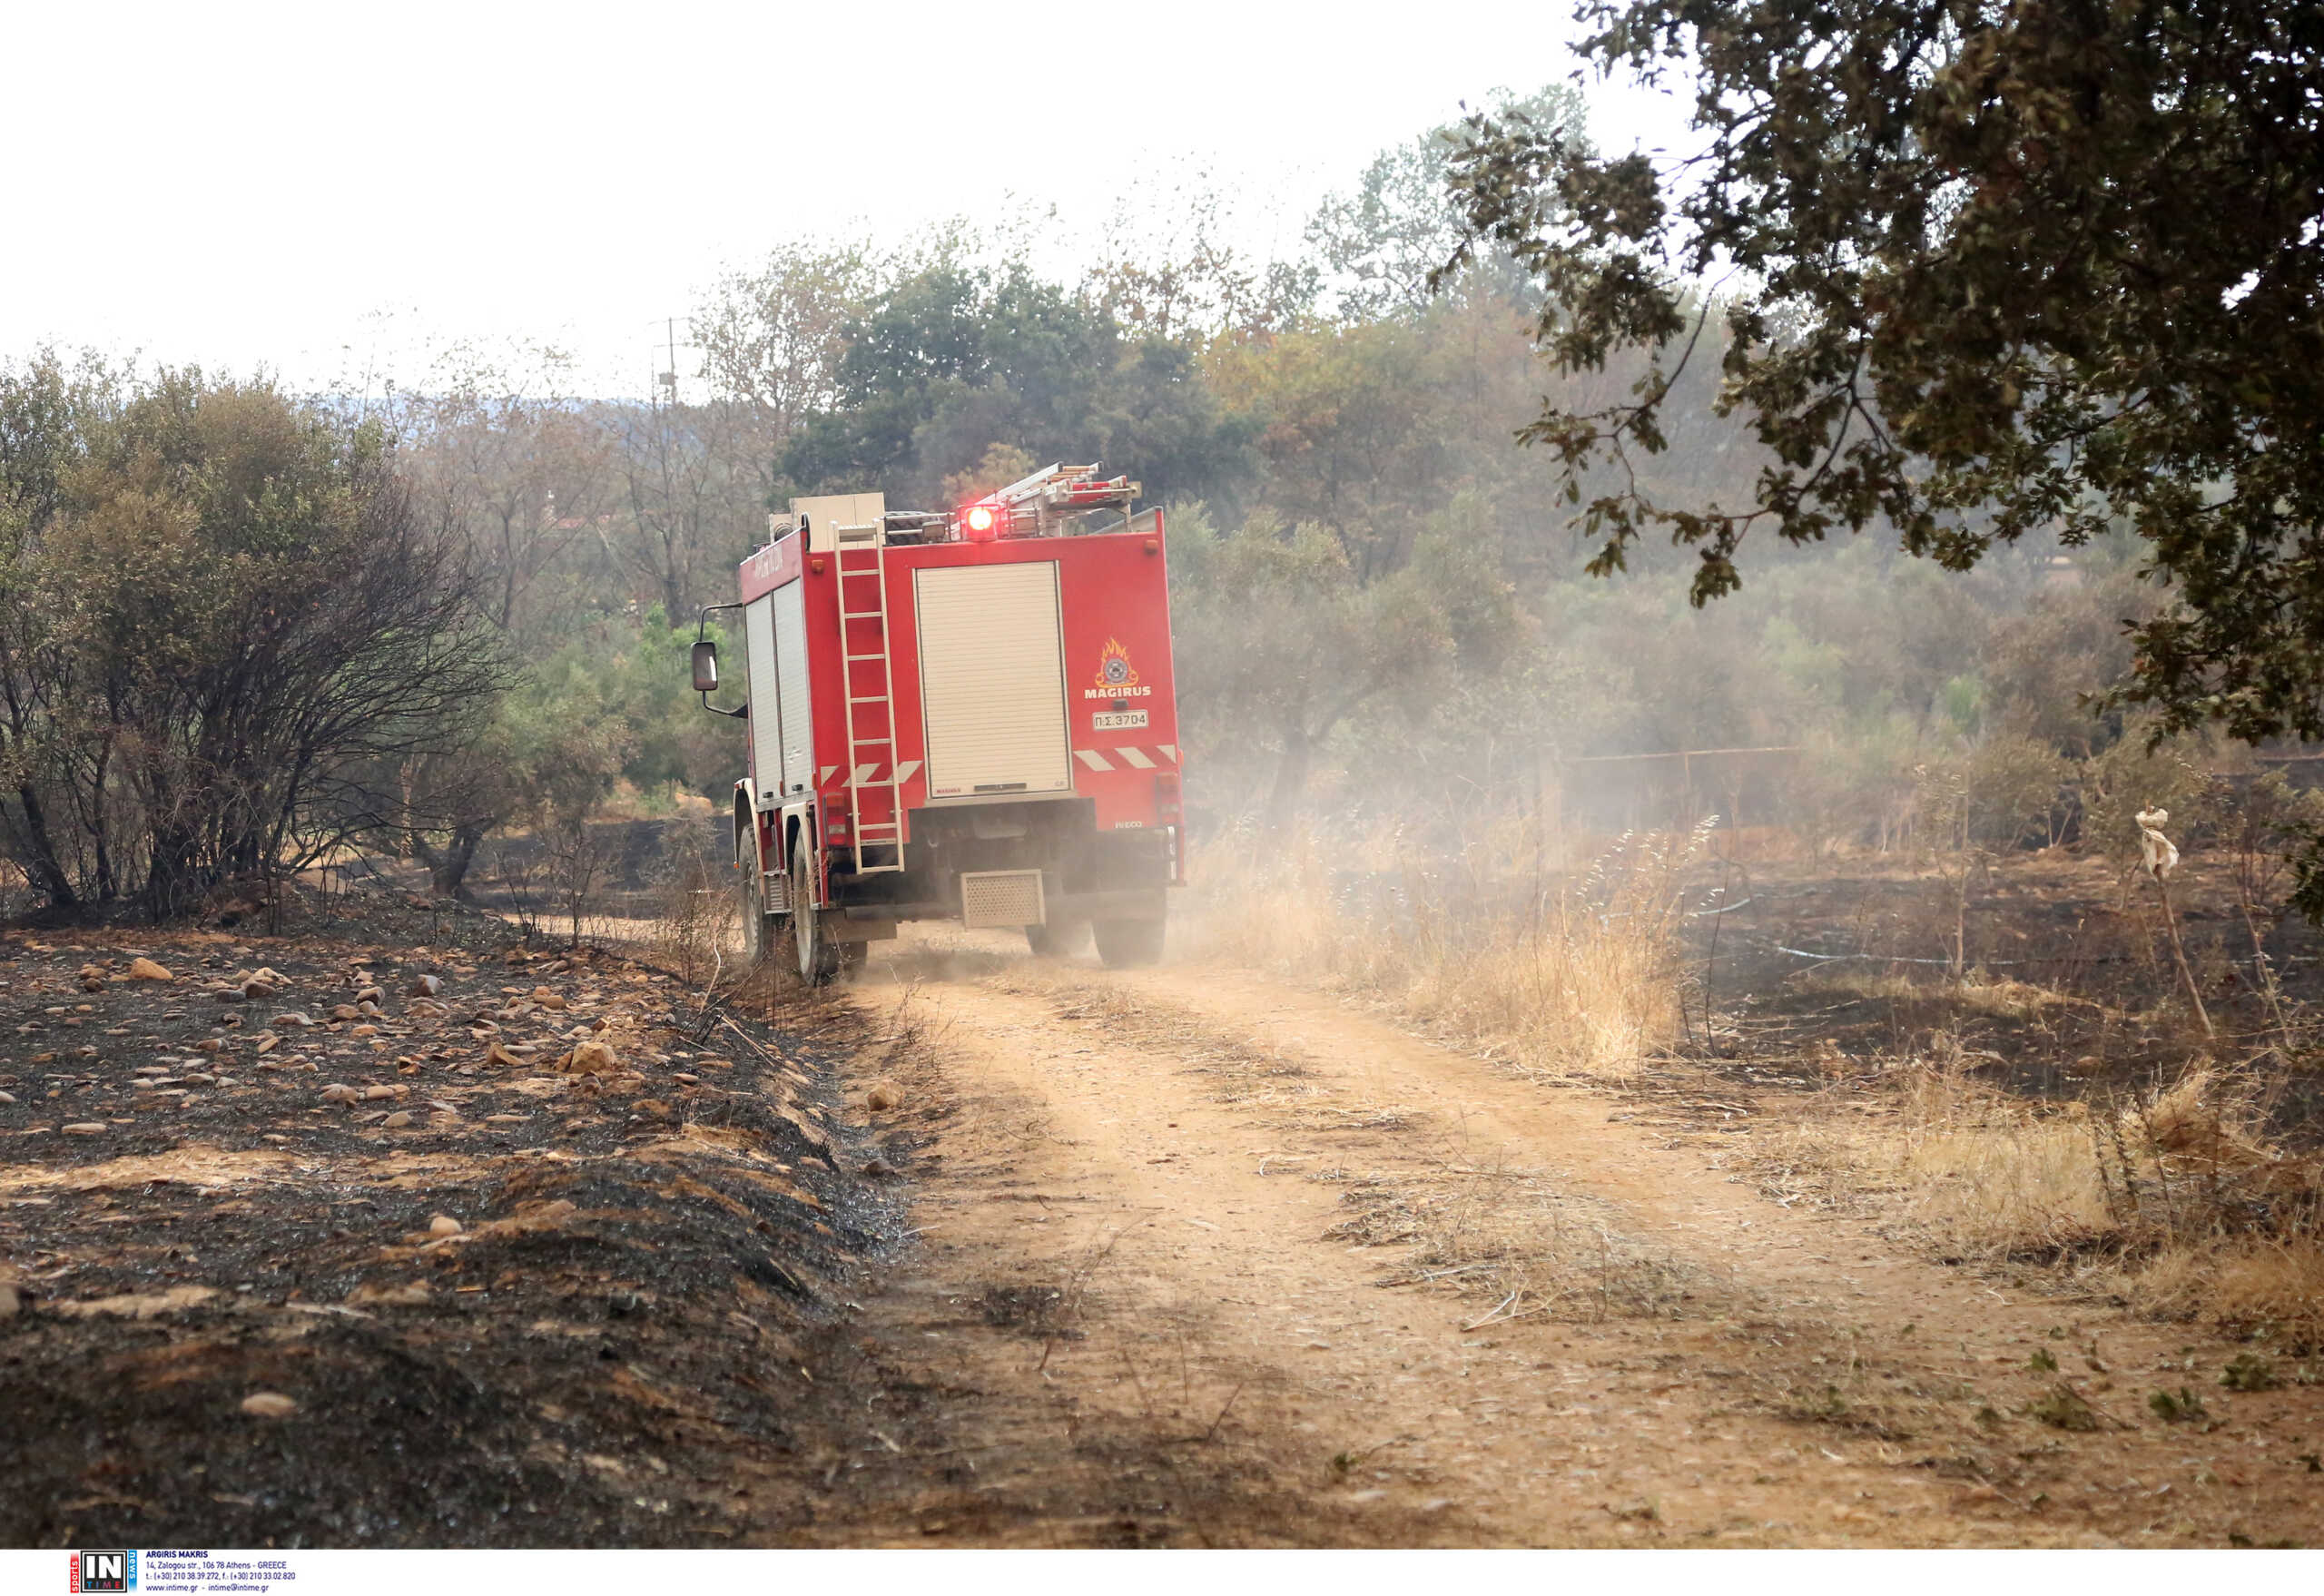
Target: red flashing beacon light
[[980, 522]]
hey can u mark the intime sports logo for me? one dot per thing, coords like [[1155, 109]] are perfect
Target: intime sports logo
[[105, 1571]]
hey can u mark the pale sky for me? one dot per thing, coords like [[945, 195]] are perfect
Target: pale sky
[[312, 187]]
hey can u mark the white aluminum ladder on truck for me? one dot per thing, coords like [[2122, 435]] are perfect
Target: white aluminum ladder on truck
[[859, 610]]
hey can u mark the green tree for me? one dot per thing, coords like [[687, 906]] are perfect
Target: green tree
[[1280, 639], [951, 362], [1379, 245], [1987, 269]]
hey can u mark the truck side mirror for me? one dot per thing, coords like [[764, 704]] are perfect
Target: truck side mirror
[[705, 666]]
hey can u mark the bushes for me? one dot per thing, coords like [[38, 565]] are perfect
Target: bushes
[[219, 609]]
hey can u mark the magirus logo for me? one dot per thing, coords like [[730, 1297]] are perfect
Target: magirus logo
[[1116, 677]]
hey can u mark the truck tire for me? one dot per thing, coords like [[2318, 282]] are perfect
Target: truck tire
[[818, 954], [1128, 944], [1056, 940], [759, 928]]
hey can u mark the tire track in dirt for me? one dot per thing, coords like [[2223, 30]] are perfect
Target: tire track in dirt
[[1161, 1316]]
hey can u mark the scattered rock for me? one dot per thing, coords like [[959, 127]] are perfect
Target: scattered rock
[[269, 1404], [85, 1128], [508, 1118], [683, 1078], [346, 1011], [230, 995], [336, 1093], [267, 1042], [496, 1054], [444, 1225], [371, 995], [398, 1120], [378, 1094], [883, 1097], [135, 1306], [146, 970], [297, 1020], [547, 999], [365, 1030], [592, 1058], [210, 1044], [9, 1302], [426, 986], [277, 1139], [5, 1100], [880, 1169], [414, 1296]]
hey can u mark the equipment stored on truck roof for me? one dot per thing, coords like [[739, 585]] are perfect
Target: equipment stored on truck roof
[[964, 715]]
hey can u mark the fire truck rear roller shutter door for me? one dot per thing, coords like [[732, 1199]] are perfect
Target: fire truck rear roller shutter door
[[992, 679], [765, 696]]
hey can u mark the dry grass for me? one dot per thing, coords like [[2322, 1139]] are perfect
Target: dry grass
[[1979, 993], [2170, 1200], [1563, 975], [698, 934], [1513, 1242]]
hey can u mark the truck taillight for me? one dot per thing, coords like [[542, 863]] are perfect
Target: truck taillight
[[1165, 796]]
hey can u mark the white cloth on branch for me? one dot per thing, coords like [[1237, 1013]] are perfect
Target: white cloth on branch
[[2158, 856]]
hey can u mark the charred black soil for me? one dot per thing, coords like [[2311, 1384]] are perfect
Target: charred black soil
[[243, 1314], [2065, 990]]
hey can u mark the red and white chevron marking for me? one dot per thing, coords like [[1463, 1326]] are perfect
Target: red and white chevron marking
[[1133, 758], [865, 774]]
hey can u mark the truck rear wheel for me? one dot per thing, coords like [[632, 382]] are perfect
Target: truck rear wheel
[[1126, 944], [818, 955], [1057, 939]]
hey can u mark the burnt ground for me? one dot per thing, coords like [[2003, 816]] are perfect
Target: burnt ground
[[233, 1310], [1066, 1288], [1823, 973]]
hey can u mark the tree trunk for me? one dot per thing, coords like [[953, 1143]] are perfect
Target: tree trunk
[[40, 861], [1290, 783], [171, 882], [447, 872]]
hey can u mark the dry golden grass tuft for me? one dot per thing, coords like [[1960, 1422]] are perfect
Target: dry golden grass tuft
[[2171, 1200], [1979, 993], [1571, 976]]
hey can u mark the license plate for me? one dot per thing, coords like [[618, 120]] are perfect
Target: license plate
[[1126, 720]]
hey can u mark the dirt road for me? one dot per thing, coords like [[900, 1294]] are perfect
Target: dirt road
[[1206, 1259]]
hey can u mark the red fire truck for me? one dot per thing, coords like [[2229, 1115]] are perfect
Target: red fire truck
[[962, 715]]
